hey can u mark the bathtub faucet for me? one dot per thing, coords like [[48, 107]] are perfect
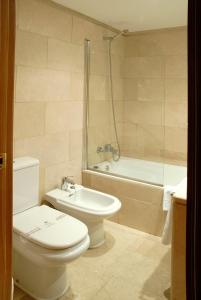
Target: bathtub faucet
[[106, 148], [99, 149]]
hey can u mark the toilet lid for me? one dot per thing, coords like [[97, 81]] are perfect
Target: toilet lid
[[49, 227]]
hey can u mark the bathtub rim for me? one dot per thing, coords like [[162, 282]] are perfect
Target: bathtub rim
[[121, 177]]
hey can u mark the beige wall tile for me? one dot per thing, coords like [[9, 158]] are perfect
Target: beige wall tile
[[99, 113], [144, 89], [155, 93], [175, 158], [129, 130], [98, 87], [174, 42], [56, 117], [143, 67], [176, 139], [65, 56], [150, 90], [78, 59], [83, 29], [30, 147], [63, 116], [49, 149], [129, 140], [60, 54], [29, 120], [176, 89], [99, 44], [77, 86], [56, 149], [144, 112], [31, 49], [176, 66], [118, 109], [35, 16], [130, 89], [118, 90], [137, 214], [117, 66], [42, 85], [118, 45], [151, 139], [176, 114], [75, 145], [99, 64], [158, 43]]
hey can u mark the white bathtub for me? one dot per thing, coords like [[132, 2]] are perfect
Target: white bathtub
[[143, 170]]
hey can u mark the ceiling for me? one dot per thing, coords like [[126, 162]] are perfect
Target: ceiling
[[134, 15]]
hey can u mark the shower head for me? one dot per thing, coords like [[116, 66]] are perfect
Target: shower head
[[111, 38]]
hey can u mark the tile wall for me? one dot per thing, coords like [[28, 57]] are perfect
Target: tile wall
[[49, 77], [149, 75], [155, 96]]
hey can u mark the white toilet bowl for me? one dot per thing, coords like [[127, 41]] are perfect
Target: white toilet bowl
[[87, 205], [44, 241]]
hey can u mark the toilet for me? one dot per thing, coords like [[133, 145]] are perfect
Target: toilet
[[45, 240], [87, 205]]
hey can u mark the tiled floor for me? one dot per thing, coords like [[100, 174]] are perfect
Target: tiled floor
[[131, 265]]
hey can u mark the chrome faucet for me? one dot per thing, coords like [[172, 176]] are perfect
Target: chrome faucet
[[67, 183], [99, 149], [106, 148]]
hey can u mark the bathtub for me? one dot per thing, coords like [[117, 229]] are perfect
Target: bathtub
[[143, 170], [139, 184]]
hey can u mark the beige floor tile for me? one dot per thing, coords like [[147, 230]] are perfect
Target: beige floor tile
[[131, 265]]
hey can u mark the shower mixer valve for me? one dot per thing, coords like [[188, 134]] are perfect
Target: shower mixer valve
[[99, 149], [106, 148]]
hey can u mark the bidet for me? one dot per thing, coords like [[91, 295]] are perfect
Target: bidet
[[87, 205]]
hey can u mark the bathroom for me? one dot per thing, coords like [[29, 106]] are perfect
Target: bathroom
[[102, 100]]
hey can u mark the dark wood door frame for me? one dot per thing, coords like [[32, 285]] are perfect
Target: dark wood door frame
[[7, 50], [194, 152]]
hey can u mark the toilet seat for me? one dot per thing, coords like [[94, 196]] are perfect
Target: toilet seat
[[49, 228]]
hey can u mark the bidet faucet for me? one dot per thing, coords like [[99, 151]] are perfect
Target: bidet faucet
[[67, 183]]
